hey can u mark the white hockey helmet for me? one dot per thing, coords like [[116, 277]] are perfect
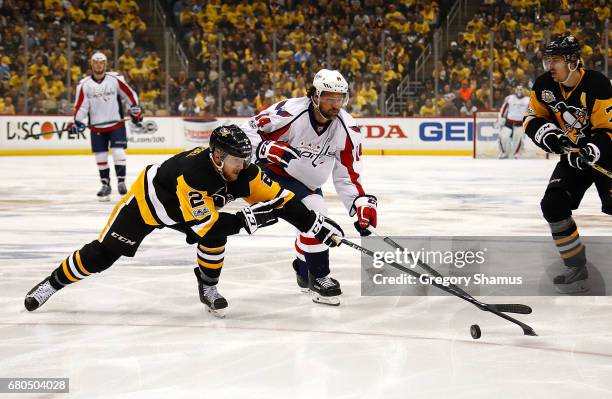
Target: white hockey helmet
[[331, 81], [98, 56]]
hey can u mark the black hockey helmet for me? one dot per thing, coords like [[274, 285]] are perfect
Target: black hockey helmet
[[231, 140], [566, 46]]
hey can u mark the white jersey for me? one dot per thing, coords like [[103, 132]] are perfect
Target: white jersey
[[333, 148], [101, 101], [514, 109]]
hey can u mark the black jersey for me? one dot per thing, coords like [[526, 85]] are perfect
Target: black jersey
[[585, 110], [187, 190]]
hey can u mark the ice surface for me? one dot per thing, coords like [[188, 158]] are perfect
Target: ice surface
[[139, 330]]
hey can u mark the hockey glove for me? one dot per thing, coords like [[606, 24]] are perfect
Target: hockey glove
[[136, 114], [548, 138], [259, 215], [324, 229], [584, 158], [365, 208], [76, 127], [276, 152]]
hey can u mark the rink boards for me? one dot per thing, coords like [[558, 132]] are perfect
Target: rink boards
[[21, 135]]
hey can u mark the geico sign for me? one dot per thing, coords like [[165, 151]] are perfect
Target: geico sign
[[447, 131], [28, 130], [384, 132]]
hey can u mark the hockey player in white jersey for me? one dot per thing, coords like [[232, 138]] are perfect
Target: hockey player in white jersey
[[300, 142], [100, 98], [510, 123]]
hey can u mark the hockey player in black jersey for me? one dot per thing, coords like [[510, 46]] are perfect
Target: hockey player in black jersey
[[570, 113], [185, 193]]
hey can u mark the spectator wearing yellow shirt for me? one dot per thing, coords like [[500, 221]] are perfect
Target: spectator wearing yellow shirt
[[525, 25], [528, 38], [469, 36], [375, 66], [38, 78], [602, 11], [538, 36], [38, 66], [128, 61], [476, 23], [421, 26], [285, 53], [428, 108], [508, 22], [151, 61], [7, 108], [460, 70], [56, 88], [558, 25], [94, 15], [126, 6], [76, 13], [58, 60], [139, 72]]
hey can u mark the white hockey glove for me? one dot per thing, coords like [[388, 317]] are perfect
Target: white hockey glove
[[582, 159], [276, 152], [323, 229], [259, 215], [548, 137]]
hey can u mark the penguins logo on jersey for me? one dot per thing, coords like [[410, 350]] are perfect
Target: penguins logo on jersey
[[573, 118]]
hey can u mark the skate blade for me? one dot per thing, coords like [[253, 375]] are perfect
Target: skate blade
[[573, 288], [219, 313], [326, 300], [305, 290], [104, 199]]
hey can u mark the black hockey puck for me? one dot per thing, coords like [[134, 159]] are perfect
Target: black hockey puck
[[475, 331]]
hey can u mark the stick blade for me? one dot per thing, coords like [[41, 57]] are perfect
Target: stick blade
[[529, 331], [512, 308]]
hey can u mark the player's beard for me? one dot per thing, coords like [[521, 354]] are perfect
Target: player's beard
[[331, 114]]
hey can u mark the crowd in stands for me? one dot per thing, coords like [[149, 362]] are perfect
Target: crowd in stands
[[35, 39], [518, 29], [307, 35]]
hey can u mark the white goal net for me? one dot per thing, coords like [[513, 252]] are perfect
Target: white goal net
[[485, 139]]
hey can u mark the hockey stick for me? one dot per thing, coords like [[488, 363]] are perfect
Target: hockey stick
[[68, 128], [465, 296], [501, 307]]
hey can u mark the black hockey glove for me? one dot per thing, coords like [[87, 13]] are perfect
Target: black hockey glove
[[259, 215], [582, 159], [323, 229], [548, 138], [76, 127]]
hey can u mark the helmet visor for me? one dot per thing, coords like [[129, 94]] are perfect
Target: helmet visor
[[233, 161], [549, 61]]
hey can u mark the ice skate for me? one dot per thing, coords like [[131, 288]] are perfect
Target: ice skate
[[39, 295], [325, 290], [573, 281], [301, 281], [104, 193], [122, 188], [209, 296]]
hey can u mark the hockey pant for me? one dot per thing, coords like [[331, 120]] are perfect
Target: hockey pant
[[122, 235], [564, 193], [311, 254]]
